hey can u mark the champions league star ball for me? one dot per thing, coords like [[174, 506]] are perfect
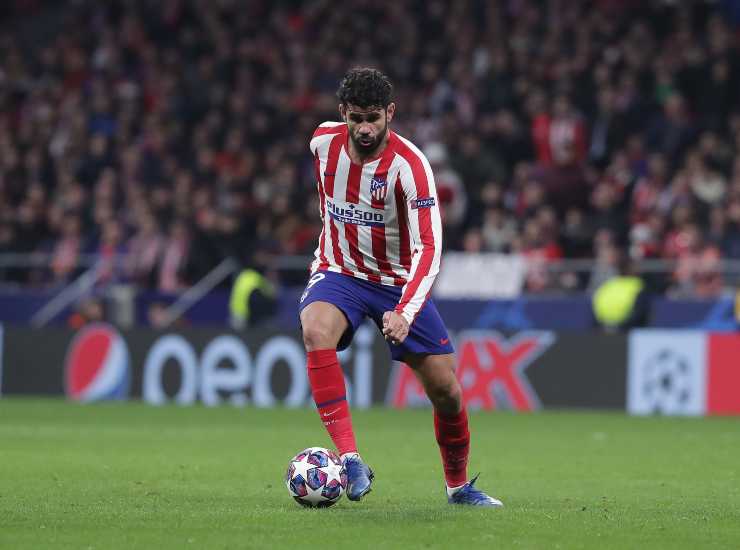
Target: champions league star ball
[[316, 478]]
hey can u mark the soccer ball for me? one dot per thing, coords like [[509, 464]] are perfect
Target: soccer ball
[[316, 478]]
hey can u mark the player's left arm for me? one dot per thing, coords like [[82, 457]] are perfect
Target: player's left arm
[[425, 226]]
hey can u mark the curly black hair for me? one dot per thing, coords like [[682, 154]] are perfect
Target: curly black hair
[[365, 87]]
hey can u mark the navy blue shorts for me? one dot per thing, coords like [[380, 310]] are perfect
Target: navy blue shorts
[[358, 299]]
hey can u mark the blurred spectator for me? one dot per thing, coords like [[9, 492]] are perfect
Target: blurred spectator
[[144, 251], [650, 192], [473, 241], [450, 190], [498, 231], [539, 247], [576, 235], [697, 273], [730, 242], [65, 255], [174, 258], [608, 129], [89, 310], [671, 131], [8, 246], [606, 214], [607, 260], [110, 252], [475, 163], [559, 135]]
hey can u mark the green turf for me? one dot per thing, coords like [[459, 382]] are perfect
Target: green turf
[[134, 476]]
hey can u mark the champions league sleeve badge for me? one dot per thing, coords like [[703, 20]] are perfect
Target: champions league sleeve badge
[[427, 202]]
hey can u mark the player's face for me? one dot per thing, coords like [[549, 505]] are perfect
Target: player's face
[[367, 126]]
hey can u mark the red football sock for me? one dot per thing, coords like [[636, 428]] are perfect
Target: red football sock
[[327, 384], [454, 444]]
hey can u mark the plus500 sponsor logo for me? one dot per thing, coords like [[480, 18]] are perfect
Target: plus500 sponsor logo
[[351, 214], [226, 370]]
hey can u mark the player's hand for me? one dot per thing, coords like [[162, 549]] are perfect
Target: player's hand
[[395, 327]]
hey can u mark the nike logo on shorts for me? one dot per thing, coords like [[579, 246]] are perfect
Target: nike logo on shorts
[[444, 341]]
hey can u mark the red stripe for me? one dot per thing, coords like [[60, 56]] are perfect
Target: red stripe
[[425, 224], [338, 257], [350, 230], [379, 250], [323, 130], [378, 203], [353, 183]]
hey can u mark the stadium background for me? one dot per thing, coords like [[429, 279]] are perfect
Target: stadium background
[[154, 173]]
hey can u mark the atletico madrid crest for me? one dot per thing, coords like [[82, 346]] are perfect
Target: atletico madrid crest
[[378, 189]]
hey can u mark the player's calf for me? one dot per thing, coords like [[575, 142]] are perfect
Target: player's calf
[[330, 395]]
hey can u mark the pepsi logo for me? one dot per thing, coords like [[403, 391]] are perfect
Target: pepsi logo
[[97, 366]]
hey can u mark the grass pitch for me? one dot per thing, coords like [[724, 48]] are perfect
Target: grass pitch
[[133, 476]]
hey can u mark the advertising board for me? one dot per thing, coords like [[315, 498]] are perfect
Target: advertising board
[[523, 371]]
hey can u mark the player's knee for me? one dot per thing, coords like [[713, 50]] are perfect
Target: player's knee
[[447, 398], [318, 336]]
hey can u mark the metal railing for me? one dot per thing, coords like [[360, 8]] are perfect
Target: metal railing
[[194, 293], [70, 294]]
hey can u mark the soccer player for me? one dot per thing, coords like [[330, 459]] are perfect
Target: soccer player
[[378, 256]]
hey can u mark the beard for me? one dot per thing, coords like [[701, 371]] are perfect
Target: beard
[[366, 148]]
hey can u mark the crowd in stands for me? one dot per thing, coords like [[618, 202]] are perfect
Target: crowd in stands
[[174, 133]]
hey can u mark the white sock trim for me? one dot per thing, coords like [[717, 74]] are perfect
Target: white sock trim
[[345, 456], [452, 490]]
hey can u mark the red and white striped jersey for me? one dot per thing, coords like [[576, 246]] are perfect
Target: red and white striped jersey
[[381, 219]]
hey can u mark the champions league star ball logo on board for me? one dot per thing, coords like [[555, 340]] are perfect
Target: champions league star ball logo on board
[[97, 365], [378, 189]]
